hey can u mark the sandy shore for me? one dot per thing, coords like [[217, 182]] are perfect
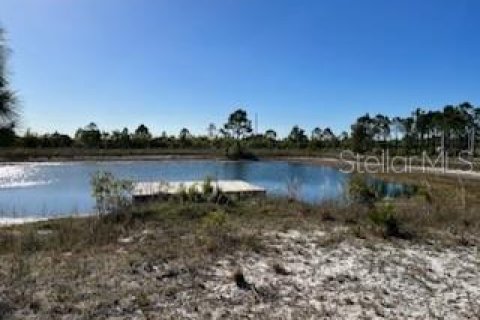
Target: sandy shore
[[8, 221], [16, 221]]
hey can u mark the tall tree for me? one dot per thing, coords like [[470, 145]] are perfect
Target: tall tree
[[89, 136], [382, 127], [363, 132], [398, 130], [238, 124], [143, 131], [409, 137], [184, 134], [270, 134], [328, 135], [211, 130], [297, 136], [317, 134], [142, 137], [8, 99], [120, 139], [420, 126]]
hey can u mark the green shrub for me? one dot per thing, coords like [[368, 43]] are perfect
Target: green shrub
[[360, 191], [215, 231], [236, 151], [380, 216], [386, 218], [202, 192], [207, 187], [111, 194], [194, 194], [182, 193], [214, 220]]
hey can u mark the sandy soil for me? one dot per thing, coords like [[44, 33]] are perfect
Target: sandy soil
[[305, 279], [298, 275]]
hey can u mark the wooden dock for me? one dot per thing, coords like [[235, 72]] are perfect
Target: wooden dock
[[161, 189]]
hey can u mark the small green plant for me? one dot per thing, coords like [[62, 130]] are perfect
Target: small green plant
[[425, 192], [182, 193], [386, 218], [214, 220], [111, 194], [194, 194], [237, 151], [207, 187], [379, 216], [360, 191], [214, 229], [204, 191]]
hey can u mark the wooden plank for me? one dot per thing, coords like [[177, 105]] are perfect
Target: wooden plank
[[162, 188]]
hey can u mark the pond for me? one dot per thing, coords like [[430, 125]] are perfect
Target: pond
[[53, 189]]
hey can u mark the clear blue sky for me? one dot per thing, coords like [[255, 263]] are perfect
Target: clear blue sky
[[177, 63]]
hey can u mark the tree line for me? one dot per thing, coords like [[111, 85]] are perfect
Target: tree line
[[234, 131], [453, 128]]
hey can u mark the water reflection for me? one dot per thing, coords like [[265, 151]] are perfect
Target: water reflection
[[47, 189]]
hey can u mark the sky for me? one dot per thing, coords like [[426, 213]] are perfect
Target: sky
[[178, 63]]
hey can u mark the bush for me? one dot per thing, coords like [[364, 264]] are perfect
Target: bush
[[236, 151], [386, 218], [360, 191], [194, 194], [216, 232], [111, 194], [207, 187], [202, 192], [214, 220]]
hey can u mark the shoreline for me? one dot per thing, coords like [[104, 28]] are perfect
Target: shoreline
[[330, 161], [5, 222], [313, 160], [15, 221], [317, 161], [337, 163], [100, 158]]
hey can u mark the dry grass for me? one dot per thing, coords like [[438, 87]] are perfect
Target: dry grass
[[91, 266], [446, 205]]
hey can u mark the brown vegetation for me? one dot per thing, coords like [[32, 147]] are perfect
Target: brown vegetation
[[154, 254]]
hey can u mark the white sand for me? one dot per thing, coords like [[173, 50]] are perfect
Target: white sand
[[15, 221], [350, 280]]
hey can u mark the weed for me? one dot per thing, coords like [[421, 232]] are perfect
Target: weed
[[214, 220], [360, 191], [385, 217]]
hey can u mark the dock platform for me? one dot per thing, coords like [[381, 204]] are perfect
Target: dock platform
[[162, 189]]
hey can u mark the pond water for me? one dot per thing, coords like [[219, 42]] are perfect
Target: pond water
[[53, 189]]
